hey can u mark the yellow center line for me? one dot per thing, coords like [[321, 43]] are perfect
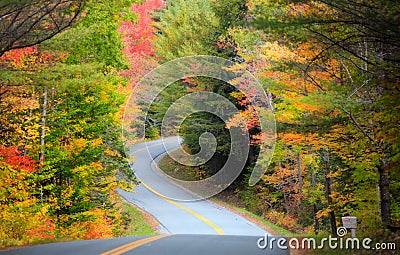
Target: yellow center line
[[195, 214], [133, 245]]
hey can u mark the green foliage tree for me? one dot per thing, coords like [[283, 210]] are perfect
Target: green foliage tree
[[61, 107], [230, 13], [95, 39], [186, 28]]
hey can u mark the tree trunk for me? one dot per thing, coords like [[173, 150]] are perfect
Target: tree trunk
[[316, 223], [42, 136], [43, 129], [315, 210], [384, 193], [314, 184], [328, 192]]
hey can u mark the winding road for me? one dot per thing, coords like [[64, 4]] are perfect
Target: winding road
[[187, 226]]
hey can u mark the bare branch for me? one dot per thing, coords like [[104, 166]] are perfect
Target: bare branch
[[26, 23], [358, 126]]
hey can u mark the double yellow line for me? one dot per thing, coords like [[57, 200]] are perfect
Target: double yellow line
[[195, 214], [130, 246]]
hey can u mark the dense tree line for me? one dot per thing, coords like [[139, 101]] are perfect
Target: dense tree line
[[332, 70], [61, 153]]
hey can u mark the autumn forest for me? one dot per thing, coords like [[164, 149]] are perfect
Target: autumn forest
[[330, 68]]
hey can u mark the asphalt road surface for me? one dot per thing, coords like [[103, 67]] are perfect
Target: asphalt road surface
[[156, 245], [186, 226]]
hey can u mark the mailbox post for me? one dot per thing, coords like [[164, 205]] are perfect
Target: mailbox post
[[351, 223]]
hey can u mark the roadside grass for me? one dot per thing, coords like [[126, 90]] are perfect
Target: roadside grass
[[137, 222]]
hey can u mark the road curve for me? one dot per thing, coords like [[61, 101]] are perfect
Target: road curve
[[177, 216]]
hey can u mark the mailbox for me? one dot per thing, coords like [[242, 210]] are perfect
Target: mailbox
[[349, 222]]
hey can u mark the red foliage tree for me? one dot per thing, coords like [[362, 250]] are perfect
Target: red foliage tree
[[13, 157], [138, 37]]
